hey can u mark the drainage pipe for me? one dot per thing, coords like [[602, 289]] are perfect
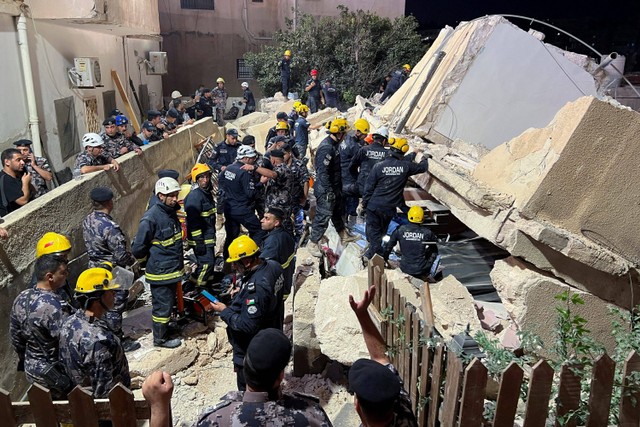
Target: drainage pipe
[[437, 59], [34, 123]]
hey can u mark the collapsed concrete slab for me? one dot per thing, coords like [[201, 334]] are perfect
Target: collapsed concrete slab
[[453, 308]]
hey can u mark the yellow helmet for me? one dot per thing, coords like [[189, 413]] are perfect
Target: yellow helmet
[[220, 80], [287, 52], [361, 125], [416, 214], [297, 104], [185, 189], [199, 169], [282, 126], [407, 67], [338, 125], [303, 109], [399, 144], [241, 247], [52, 243], [95, 279]]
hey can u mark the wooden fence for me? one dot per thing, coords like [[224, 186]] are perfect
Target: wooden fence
[[81, 409], [447, 392]]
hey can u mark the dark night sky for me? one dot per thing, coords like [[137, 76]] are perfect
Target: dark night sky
[[607, 25]]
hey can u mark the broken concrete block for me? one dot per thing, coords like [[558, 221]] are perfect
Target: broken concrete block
[[350, 261], [252, 119], [488, 319], [453, 308], [170, 360]]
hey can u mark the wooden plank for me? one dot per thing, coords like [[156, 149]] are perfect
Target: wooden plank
[[601, 390], [568, 395], [415, 360], [41, 405], [6, 411], [537, 407], [375, 277], [474, 390], [427, 306], [408, 336], [629, 412], [508, 396], [423, 410], [434, 392], [452, 390], [83, 411], [23, 414], [401, 338], [133, 118], [388, 286], [397, 312], [122, 407]]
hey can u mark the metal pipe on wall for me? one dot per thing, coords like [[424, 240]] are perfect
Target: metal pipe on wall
[[27, 75]]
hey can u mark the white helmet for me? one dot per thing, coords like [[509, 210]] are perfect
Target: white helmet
[[176, 94], [91, 140], [167, 186], [245, 84], [245, 151], [382, 131]]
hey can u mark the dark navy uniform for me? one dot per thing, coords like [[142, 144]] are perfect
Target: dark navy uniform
[[300, 179], [302, 135], [36, 322], [257, 409], [250, 105], [160, 239], [313, 100], [364, 160], [206, 106], [330, 95], [280, 246], [348, 149], [238, 206], [201, 232], [384, 192], [397, 79], [93, 355], [328, 189], [223, 155], [285, 75], [418, 247]]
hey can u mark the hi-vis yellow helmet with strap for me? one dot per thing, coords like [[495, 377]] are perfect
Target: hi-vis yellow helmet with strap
[[52, 243], [242, 247], [282, 126], [399, 144], [361, 125], [416, 214], [95, 279], [199, 169], [339, 125]]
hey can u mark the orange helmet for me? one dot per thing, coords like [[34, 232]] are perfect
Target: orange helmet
[[369, 138]]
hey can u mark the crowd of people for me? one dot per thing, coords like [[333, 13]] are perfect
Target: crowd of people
[[67, 336]]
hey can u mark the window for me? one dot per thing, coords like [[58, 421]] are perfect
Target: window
[[244, 70], [197, 4]]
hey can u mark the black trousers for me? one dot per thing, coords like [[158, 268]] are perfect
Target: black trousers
[[232, 225], [163, 297], [328, 207], [378, 221]]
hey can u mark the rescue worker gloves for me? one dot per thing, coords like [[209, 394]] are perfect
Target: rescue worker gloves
[[361, 125], [220, 80], [245, 151], [167, 186], [91, 140], [242, 247], [198, 170], [339, 125], [95, 279], [282, 126], [416, 214], [52, 243], [399, 144]]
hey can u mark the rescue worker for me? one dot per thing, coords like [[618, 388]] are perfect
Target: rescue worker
[[261, 161], [330, 94], [205, 104], [93, 158], [279, 186], [348, 149], [159, 239], [367, 156], [115, 143], [285, 72], [302, 128], [293, 117], [255, 304], [327, 188], [300, 191], [280, 117], [225, 152], [36, 322], [106, 245], [239, 194], [91, 353], [219, 96], [397, 80], [201, 224], [314, 91], [384, 192], [279, 246], [248, 99], [38, 168], [417, 245], [162, 173], [55, 244], [282, 134]]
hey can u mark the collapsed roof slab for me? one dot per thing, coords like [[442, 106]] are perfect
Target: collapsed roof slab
[[495, 81]]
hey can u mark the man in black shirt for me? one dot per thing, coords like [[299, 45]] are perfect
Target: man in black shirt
[[14, 182], [249, 100]]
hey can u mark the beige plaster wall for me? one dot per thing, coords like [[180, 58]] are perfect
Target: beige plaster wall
[[63, 209]]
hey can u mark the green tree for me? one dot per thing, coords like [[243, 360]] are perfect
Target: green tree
[[355, 49]]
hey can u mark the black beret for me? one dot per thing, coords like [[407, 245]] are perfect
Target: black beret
[[206, 90], [373, 382], [22, 143], [173, 113], [109, 121], [101, 194], [277, 153], [281, 115], [276, 211], [249, 140], [168, 173], [232, 132], [279, 138], [115, 112], [148, 125], [286, 148], [153, 113], [268, 354]]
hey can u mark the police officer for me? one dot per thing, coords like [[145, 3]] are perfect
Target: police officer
[[162, 173], [384, 192], [300, 191], [280, 246], [285, 72], [314, 91], [282, 134], [122, 124], [219, 96], [159, 239], [255, 305], [280, 117], [280, 185], [201, 224], [93, 158], [367, 156], [92, 354], [328, 187], [225, 152], [397, 79], [348, 149], [417, 245], [261, 161], [36, 322], [205, 104], [38, 168], [155, 118], [239, 193], [116, 143]]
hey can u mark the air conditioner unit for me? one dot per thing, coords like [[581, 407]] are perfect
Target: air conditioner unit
[[86, 72], [157, 63]]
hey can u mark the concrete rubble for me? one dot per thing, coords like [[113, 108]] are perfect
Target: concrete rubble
[[453, 308]]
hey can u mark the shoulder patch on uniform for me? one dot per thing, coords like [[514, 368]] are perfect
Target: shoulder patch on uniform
[[252, 309]]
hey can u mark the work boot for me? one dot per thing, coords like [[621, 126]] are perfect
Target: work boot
[[315, 249], [160, 331], [130, 345], [346, 236], [172, 343]]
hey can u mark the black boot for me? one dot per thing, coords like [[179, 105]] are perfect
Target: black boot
[[160, 337]]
